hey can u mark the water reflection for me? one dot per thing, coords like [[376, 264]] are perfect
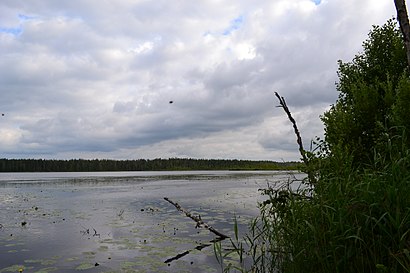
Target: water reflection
[[120, 222]]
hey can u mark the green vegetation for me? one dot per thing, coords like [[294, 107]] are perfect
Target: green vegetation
[[355, 215], [172, 164], [374, 99]]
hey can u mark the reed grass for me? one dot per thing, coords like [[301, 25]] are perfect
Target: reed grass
[[354, 219]]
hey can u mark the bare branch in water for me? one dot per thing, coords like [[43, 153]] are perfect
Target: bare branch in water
[[180, 255], [198, 220], [199, 223], [177, 257]]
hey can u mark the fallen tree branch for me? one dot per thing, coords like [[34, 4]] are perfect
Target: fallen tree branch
[[198, 220], [180, 255], [177, 257]]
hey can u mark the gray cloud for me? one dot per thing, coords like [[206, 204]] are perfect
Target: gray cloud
[[94, 78]]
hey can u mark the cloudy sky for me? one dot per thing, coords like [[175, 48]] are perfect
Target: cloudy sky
[[94, 78]]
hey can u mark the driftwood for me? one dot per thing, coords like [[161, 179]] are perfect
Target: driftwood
[[198, 220]]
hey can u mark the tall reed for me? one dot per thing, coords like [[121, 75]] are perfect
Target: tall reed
[[353, 219]]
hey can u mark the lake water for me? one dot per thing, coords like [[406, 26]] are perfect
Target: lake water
[[119, 221]]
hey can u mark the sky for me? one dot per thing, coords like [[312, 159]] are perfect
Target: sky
[[96, 78]]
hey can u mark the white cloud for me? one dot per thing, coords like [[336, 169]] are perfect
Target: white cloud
[[94, 78], [142, 48], [10, 138], [245, 51]]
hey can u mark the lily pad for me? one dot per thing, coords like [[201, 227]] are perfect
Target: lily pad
[[14, 268], [47, 270], [85, 266]]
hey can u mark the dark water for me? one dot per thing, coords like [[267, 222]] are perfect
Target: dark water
[[119, 222]]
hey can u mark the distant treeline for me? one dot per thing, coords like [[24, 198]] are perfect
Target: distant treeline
[[172, 164]]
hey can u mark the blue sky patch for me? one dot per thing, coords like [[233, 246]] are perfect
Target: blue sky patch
[[235, 24], [23, 17], [19, 29], [317, 2], [12, 30]]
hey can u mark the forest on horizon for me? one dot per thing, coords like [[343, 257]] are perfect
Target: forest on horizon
[[159, 164]]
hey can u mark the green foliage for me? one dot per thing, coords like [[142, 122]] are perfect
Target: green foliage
[[356, 217], [357, 221], [370, 87], [401, 108], [350, 221]]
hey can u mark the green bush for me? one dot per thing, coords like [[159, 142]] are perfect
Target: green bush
[[370, 87], [356, 215], [351, 221]]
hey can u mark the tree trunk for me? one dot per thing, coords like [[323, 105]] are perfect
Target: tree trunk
[[403, 19]]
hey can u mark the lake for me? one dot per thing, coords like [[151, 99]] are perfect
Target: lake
[[119, 221]]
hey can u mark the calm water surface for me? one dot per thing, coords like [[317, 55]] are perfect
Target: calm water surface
[[119, 221]]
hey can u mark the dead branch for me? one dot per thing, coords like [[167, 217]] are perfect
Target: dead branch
[[199, 223], [302, 151], [177, 257], [198, 220], [180, 255], [95, 233], [403, 19]]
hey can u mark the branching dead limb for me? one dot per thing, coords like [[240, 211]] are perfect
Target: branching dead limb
[[198, 220], [302, 151]]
